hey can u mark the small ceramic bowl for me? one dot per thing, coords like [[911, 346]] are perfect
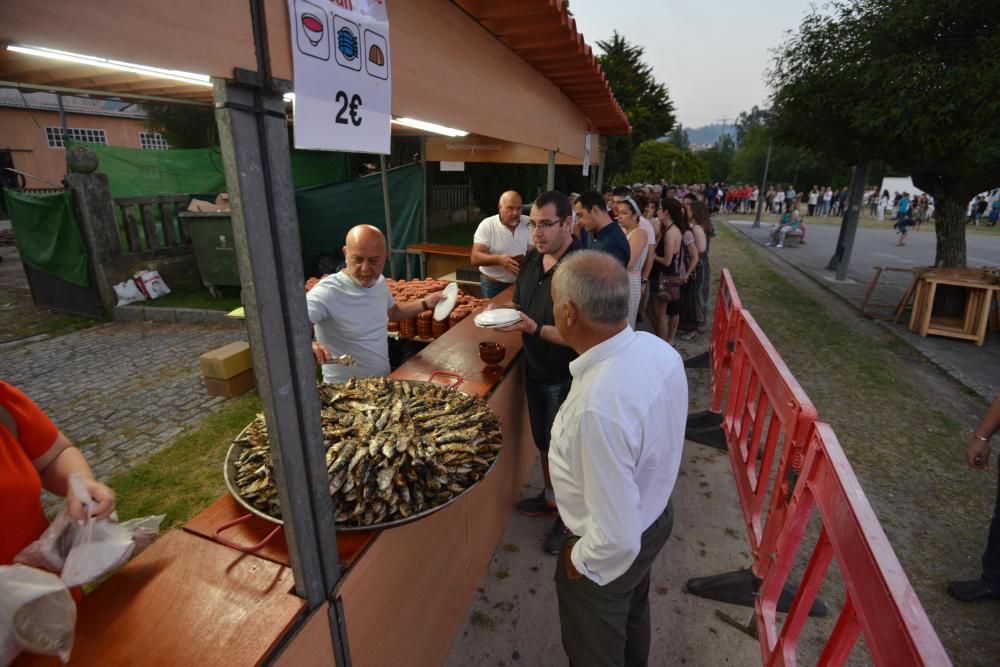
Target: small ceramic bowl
[[492, 353]]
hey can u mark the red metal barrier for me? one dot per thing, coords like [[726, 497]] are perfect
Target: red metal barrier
[[879, 601], [766, 410], [727, 310]]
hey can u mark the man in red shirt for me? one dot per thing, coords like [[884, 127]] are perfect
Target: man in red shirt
[[35, 454]]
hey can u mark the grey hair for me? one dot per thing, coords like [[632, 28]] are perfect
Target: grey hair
[[596, 283]]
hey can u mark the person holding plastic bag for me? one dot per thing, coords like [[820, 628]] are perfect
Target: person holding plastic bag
[[34, 454]]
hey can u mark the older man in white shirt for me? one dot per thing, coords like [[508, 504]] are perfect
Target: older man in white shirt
[[614, 456], [500, 244]]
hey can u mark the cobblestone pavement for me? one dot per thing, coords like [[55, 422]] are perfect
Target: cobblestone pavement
[[122, 390]]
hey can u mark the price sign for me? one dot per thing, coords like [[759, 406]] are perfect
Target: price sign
[[343, 84]]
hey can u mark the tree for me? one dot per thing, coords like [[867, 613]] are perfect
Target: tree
[[912, 82], [645, 101], [654, 160], [719, 158], [789, 164], [679, 138], [747, 119], [183, 126]]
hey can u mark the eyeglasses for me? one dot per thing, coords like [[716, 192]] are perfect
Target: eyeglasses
[[544, 224]]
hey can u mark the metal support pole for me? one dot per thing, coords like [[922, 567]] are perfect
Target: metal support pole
[[256, 157], [850, 225], [550, 178], [388, 214], [602, 141], [761, 200]]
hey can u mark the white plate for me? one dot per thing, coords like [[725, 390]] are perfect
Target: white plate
[[444, 307], [498, 317]]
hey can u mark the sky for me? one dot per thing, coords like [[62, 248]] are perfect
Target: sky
[[712, 56]]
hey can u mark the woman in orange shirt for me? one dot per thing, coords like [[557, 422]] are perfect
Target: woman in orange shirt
[[35, 454]]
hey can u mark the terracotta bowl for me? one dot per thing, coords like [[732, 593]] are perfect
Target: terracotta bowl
[[491, 353]]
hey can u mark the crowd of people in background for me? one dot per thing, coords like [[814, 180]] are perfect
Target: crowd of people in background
[[984, 208]]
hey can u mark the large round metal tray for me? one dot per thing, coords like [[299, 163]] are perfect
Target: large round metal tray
[[237, 448]]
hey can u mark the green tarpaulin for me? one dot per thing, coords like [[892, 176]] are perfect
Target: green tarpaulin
[[133, 172], [48, 237], [326, 213]]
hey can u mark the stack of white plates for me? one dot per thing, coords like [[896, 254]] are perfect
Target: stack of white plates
[[499, 317]]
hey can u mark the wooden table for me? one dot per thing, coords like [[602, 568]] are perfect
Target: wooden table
[[979, 295], [439, 259]]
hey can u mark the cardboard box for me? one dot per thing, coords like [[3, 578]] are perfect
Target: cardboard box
[[220, 205], [227, 361], [234, 386]]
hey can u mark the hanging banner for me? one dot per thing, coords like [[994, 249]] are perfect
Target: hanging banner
[[586, 154], [343, 85]]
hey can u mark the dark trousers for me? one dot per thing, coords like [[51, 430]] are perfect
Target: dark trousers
[[490, 288], [609, 625], [543, 402], [991, 557]]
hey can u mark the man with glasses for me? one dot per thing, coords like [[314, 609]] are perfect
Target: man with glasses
[[546, 357], [499, 245]]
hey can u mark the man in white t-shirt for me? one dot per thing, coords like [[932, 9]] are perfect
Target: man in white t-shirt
[[500, 244], [349, 310]]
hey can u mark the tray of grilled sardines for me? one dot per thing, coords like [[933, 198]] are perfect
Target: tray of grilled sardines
[[396, 450]]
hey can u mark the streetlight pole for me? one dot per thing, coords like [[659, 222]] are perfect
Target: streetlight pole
[[673, 163], [760, 192]]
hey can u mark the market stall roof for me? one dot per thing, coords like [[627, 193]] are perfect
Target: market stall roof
[[518, 70], [544, 35]]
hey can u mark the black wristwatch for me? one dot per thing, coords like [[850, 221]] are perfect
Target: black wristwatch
[[538, 330]]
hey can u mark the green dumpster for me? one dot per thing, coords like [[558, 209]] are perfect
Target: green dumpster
[[214, 248]]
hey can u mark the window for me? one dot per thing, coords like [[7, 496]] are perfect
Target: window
[[153, 141], [55, 136]]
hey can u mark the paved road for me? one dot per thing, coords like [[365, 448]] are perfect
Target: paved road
[[121, 390], [976, 367]]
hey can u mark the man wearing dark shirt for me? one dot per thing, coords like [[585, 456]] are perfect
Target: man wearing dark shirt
[[546, 357], [605, 234]]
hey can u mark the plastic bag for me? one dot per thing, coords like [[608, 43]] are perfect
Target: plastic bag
[[49, 551], [37, 614], [128, 292], [151, 284], [84, 553], [99, 547]]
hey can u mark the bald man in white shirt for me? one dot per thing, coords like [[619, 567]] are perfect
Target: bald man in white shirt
[[614, 456]]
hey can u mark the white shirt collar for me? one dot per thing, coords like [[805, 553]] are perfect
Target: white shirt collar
[[601, 351]]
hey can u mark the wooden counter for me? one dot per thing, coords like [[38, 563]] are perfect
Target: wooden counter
[[184, 601], [255, 530]]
